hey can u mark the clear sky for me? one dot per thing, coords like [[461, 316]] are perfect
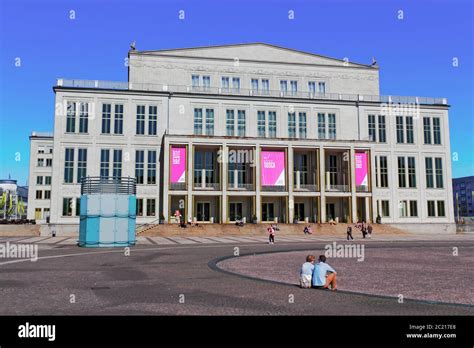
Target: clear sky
[[415, 54]]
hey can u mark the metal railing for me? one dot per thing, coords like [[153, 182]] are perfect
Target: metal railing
[[337, 188], [119, 185], [306, 187], [362, 188], [123, 85], [274, 188], [207, 186], [178, 186], [241, 187]]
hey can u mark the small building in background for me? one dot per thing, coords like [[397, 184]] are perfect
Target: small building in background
[[463, 192], [13, 200]]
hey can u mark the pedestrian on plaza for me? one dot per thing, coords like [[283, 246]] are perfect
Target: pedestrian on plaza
[[306, 272], [349, 233], [369, 230], [271, 234], [324, 276], [364, 231]]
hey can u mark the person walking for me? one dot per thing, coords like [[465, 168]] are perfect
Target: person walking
[[364, 231], [349, 233], [369, 230], [271, 235]]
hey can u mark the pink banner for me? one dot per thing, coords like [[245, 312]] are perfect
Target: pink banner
[[361, 169], [272, 168], [178, 164]]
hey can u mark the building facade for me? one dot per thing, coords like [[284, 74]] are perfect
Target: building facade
[[253, 131], [463, 194], [40, 176]]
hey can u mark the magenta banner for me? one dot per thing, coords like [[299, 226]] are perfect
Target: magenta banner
[[361, 169], [272, 168], [178, 164]]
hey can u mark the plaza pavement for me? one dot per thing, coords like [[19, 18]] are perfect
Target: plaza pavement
[[181, 276]]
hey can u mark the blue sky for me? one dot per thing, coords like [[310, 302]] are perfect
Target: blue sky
[[415, 54]]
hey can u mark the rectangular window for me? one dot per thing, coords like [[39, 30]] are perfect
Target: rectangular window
[[118, 119], [272, 124], [411, 172], [236, 84], [81, 164], [284, 86], [139, 206], [410, 134], [413, 209], [78, 207], [150, 207], [291, 125], [332, 126], [431, 209], [265, 86], [321, 126], [39, 194], [83, 117], [67, 206], [294, 87], [302, 125], [47, 194], [198, 121], [69, 166], [436, 130], [139, 166], [41, 149], [402, 207], [209, 121], [152, 119], [372, 134], [230, 122], [140, 129], [47, 180], [261, 123], [104, 163], [39, 180], [385, 208], [49, 162], [206, 82], [40, 162], [401, 172], [382, 131], [241, 123], [106, 111], [254, 84], [225, 83], [429, 172], [383, 171], [151, 174], [117, 165], [441, 211], [399, 129], [322, 87], [312, 87], [195, 80], [71, 117], [427, 130], [439, 172]]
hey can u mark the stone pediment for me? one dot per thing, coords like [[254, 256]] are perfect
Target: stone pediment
[[254, 52]]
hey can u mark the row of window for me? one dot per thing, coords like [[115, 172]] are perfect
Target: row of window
[[44, 162], [256, 85], [47, 194], [112, 118], [45, 149], [409, 208], [404, 129], [266, 123], [74, 210], [407, 172], [40, 181], [110, 163]]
